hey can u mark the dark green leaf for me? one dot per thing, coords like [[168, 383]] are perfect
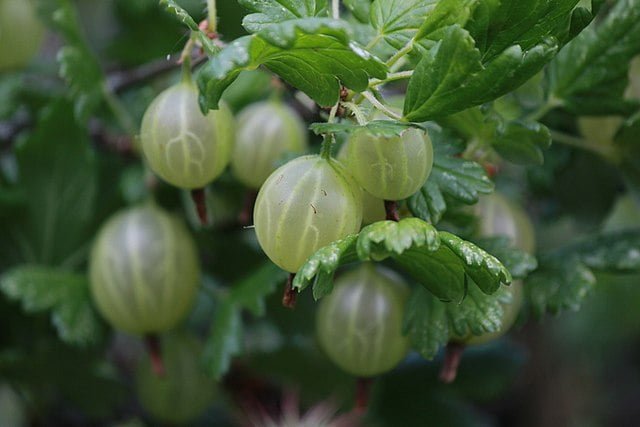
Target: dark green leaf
[[267, 12], [313, 54], [456, 178], [617, 252], [589, 76], [518, 262], [361, 9], [628, 144], [522, 142], [64, 294], [225, 339], [58, 173], [78, 66], [559, 288], [451, 77], [431, 323], [226, 334], [445, 14]]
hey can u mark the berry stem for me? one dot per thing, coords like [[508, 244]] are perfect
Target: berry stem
[[363, 394], [212, 15], [152, 342], [452, 357], [290, 295], [391, 207], [199, 199]]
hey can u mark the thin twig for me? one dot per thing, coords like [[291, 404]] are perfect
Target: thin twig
[[380, 106]]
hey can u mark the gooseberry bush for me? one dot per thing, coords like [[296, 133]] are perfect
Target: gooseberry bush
[[230, 213]]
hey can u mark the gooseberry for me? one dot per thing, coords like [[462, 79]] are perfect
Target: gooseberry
[[304, 205], [266, 131], [182, 146], [184, 391], [20, 33], [359, 325], [390, 168], [144, 270]]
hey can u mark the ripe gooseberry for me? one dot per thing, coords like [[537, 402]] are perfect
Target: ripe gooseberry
[[184, 147], [20, 33], [184, 391], [266, 131], [304, 205], [390, 168], [144, 270], [372, 208], [359, 325]]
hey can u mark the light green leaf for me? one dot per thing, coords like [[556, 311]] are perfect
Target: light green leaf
[[398, 21], [267, 12], [313, 54], [64, 294]]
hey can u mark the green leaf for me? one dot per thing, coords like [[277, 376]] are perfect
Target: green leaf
[[559, 288], [64, 294], [451, 178], [628, 144], [183, 16], [313, 54], [226, 334], [267, 12], [431, 323], [361, 9], [440, 261], [518, 262], [78, 65], [58, 174], [522, 142], [386, 128], [398, 21], [589, 76], [451, 77], [445, 14], [567, 275], [225, 339], [320, 268]]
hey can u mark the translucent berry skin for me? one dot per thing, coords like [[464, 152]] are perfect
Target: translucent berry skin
[[266, 130], [359, 325], [303, 206], [181, 145], [144, 270], [372, 208], [501, 217], [185, 391], [20, 33], [390, 168]]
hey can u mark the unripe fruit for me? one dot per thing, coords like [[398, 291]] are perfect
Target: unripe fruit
[[184, 147], [266, 131], [144, 270], [372, 208], [359, 325], [390, 168], [184, 391], [20, 33], [500, 217], [303, 206]]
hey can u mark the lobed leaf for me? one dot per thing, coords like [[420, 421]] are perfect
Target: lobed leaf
[[440, 261], [589, 76], [430, 323], [452, 177], [313, 54], [64, 294], [267, 12]]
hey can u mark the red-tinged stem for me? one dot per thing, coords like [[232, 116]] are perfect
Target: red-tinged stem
[[152, 341], [199, 198], [452, 357], [246, 214], [363, 393], [391, 207], [491, 169], [290, 295]]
